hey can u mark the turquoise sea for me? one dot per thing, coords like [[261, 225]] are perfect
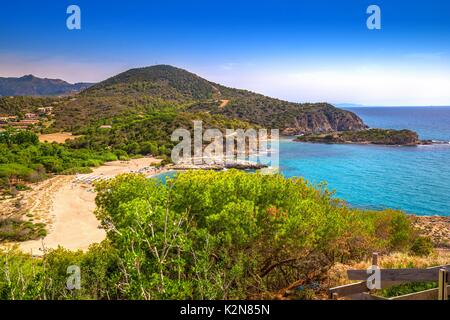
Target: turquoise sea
[[413, 179]]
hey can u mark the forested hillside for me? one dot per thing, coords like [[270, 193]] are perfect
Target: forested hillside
[[137, 90], [174, 84]]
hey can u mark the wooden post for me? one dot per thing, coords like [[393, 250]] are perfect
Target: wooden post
[[335, 296], [375, 259], [443, 282], [374, 263]]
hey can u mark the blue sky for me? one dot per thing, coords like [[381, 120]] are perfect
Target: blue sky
[[297, 50]]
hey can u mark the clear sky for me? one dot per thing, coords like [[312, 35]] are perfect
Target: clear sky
[[296, 50]]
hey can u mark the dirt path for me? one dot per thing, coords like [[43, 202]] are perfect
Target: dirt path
[[224, 103], [67, 207]]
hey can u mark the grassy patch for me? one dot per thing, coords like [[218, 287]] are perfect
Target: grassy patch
[[406, 288], [77, 170], [16, 230]]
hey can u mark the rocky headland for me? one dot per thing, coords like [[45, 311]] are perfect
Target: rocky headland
[[369, 136]]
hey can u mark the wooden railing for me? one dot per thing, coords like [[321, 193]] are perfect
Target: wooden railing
[[392, 277]]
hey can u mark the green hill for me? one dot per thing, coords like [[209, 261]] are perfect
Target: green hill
[[161, 81], [174, 84]]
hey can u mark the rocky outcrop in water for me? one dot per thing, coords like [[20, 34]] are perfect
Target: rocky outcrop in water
[[369, 136]]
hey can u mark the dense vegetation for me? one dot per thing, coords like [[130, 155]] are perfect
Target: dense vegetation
[[18, 106], [208, 235], [24, 159], [147, 133], [370, 136], [163, 82], [290, 118]]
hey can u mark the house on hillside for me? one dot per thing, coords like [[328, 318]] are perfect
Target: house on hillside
[[45, 111], [30, 116]]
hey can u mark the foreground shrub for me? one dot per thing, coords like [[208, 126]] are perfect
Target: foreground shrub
[[208, 235], [236, 234], [422, 246]]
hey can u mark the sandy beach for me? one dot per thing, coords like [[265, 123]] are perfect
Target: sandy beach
[[66, 205]]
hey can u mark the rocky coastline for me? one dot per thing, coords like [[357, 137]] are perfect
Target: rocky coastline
[[437, 228]]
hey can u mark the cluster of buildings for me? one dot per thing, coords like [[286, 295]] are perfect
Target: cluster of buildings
[[45, 111], [29, 119]]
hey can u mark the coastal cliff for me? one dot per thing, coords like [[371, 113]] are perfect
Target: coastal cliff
[[323, 118]]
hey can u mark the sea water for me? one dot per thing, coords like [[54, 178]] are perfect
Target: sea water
[[413, 179]]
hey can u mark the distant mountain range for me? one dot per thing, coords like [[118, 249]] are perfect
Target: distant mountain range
[[30, 85]]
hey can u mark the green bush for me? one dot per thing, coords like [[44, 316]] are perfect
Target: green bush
[[15, 170], [238, 234], [22, 187], [422, 246], [17, 230], [407, 288]]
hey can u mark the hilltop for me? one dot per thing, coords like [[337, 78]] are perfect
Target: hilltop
[[30, 85], [174, 84], [161, 81]]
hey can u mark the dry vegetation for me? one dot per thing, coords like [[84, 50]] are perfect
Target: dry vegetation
[[60, 137]]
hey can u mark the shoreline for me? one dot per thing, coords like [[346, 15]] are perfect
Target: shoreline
[[66, 204], [368, 143]]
